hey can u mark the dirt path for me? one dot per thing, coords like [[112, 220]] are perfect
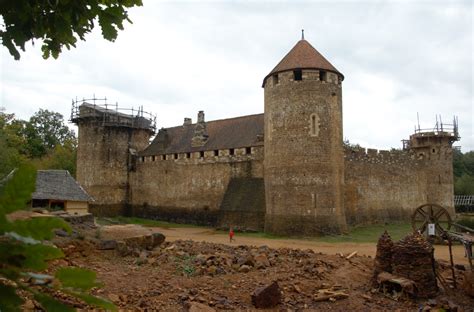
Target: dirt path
[[212, 236]]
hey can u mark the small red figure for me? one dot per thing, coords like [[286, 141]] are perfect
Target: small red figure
[[231, 234]]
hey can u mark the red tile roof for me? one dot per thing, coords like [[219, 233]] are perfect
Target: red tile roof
[[303, 56], [223, 134]]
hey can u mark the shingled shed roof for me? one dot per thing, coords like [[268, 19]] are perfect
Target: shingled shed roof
[[226, 133], [58, 185], [303, 56]]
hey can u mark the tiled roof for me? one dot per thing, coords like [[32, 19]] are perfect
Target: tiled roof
[[244, 131], [303, 56], [58, 185]]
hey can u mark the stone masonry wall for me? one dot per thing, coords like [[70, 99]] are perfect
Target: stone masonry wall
[[304, 161], [102, 164], [387, 186], [189, 189]]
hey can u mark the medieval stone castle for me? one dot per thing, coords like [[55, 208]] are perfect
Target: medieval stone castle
[[286, 171]]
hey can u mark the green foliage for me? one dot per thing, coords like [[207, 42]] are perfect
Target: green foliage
[[351, 146], [98, 302], [16, 192], [44, 141], [463, 169], [44, 131], [76, 278], [9, 300], [185, 265], [58, 23], [22, 250], [50, 304], [468, 222]]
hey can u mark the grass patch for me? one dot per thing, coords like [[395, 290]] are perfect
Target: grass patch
[[359, 234], [143, 222], [255, 234], [369, 233]]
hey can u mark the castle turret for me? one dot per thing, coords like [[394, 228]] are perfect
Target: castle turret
[[304, 164], [108, 142], [434, 146]]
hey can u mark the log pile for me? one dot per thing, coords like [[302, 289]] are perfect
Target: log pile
[[383, 258], [412, 258]]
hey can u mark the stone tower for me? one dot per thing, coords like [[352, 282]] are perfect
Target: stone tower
[[304, 162], [434, 146], [106, 152]]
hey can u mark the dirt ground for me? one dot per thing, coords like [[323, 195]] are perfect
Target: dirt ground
[[197, 269], [212, 236]]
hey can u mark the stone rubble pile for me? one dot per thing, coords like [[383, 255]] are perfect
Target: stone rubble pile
[[412, 258], [203, 258], [383, 257]]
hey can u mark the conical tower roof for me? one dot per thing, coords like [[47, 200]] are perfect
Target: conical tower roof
[[303, 56]]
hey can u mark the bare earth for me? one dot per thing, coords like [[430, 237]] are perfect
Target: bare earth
[[212, 236], [197, 269]]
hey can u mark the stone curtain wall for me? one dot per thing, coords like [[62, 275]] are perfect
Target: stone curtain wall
[[189, 189], [389, 186]]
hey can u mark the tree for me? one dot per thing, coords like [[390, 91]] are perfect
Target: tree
[[10, 144], [44, 131], [44, 140], [59, 23], [61, 157], [463, 169]]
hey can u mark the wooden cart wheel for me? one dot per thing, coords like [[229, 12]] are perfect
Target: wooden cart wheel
[[431, 213]]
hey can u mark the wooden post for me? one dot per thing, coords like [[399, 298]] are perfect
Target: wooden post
[[451, 260]]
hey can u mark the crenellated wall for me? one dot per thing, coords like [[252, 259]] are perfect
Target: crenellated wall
[[189, 187], [388, 185]]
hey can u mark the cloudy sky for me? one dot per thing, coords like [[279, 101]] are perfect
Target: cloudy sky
[[399, 58]]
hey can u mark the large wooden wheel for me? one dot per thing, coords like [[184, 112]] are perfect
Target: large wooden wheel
[[431, 213]]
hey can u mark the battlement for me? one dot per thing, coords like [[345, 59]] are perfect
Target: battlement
[[111, 115], [298, 75], [212, 156], [375, 156]]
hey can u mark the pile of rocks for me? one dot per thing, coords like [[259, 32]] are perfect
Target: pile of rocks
[[383, 258], [412, 258]]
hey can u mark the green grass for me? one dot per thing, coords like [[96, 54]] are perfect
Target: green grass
[[144, 222], [359, 234], [369, 233]]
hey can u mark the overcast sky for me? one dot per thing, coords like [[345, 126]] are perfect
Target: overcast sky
[[399, 58]]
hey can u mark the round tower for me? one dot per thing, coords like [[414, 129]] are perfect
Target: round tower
[[435, 147], [304, 162], [108, 139]]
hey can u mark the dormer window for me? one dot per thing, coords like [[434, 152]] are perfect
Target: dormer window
[[298, 74]]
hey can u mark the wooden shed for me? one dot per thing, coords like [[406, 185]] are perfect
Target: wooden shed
[[58, 190]]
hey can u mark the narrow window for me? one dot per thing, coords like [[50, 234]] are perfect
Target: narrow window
[[216, 152], [248, 150], [188, 155], [231, 151], [275, 79], [175, 156], [201, 154], [153, 158], [143, 159], [322, 75], [314, 125], [163, 157], [298, 74]]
